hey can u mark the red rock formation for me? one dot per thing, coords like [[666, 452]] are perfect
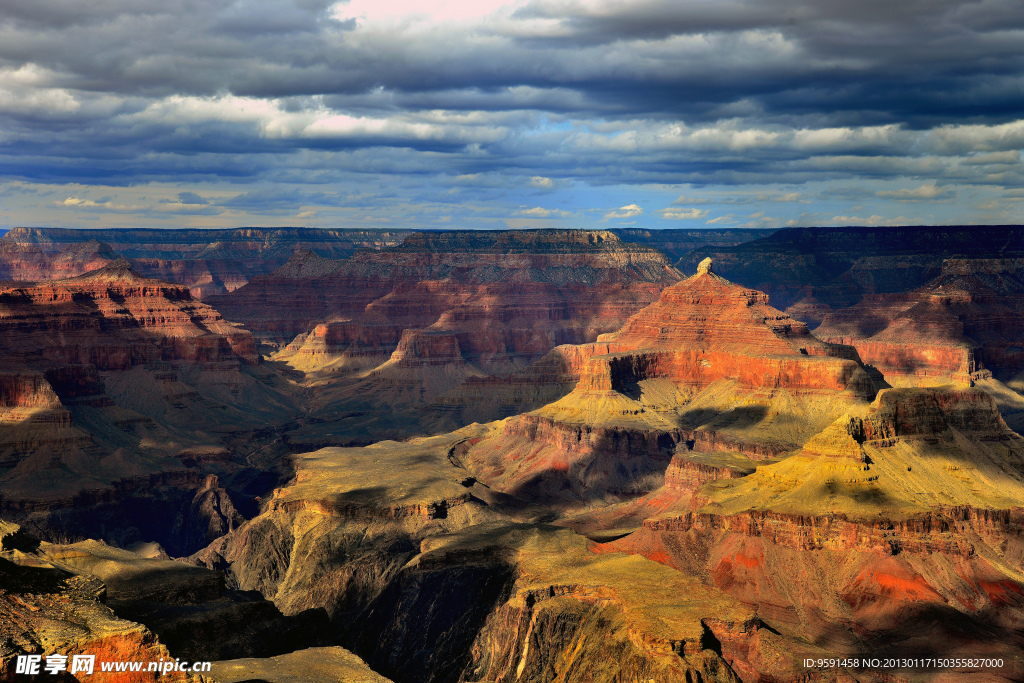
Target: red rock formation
[[46, 610], [30, 262], [113, 318], [206, 261], [508, 298], [25, 390], [968, 320], [812, 552], [614, 435], [111, 377], [706, 328], [509, 294]]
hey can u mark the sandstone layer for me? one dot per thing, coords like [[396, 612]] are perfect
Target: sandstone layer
[[898, 527], [709, 367], [407, 337], [206, 261], [427, 576], [311, 665], [114, 388], [536, 289], [47, 610], [678, 244], [965, 322]]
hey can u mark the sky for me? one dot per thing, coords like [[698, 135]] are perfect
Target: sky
[[523, 114]]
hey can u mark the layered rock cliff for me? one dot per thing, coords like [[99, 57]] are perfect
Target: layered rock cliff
[[820, 269], [113, 318], [509, 292], [47, 610], [907, 508], [965, 322], [708, 367], [206, 261], [426, 577], [502, 300], [112, 386]]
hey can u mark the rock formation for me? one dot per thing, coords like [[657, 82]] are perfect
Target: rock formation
[[968, 320], [413, 332], [702, 491], [677, 244], [709, 366], [206, 261], [28, 261], [311, 665], [815, 270], [440, 584], [113, 318], [566, 285], [45, 609], [109, 383], [906, 507]]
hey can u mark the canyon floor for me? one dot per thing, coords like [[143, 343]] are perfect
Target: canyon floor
[[519, 456]]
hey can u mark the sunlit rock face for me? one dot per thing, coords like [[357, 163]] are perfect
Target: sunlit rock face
[[114, 318], [706, 491], [904, 506], [710, 366], [446, 329]]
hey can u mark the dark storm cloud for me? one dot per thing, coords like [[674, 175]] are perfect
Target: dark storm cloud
[[702, 91]]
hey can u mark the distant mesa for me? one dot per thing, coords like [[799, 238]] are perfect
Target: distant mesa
[[830, 268], [208, 262], [963, 326], [538, 289]]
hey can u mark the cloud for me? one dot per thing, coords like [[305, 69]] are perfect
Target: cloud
[[540, 212], [629, 211], [503, 98], [682, 214], [917, 194], [192, 198], [727, 218], [874, 220]]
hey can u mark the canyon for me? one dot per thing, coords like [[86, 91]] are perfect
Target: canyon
[[520, 456], [206, 261]]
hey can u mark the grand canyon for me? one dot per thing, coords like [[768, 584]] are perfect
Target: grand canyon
[[515, 456]]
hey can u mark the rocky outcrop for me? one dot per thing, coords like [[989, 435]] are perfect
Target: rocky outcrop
[[708, 367], [26, 261], [429, 584], [113, 318], [964, 325], [808, 574], [677, 244], [507, 292], [909, 506], [111, 378], [47, 610], [706, 328], [207, 262], [310, 665], [24, 393], [506, 299]]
